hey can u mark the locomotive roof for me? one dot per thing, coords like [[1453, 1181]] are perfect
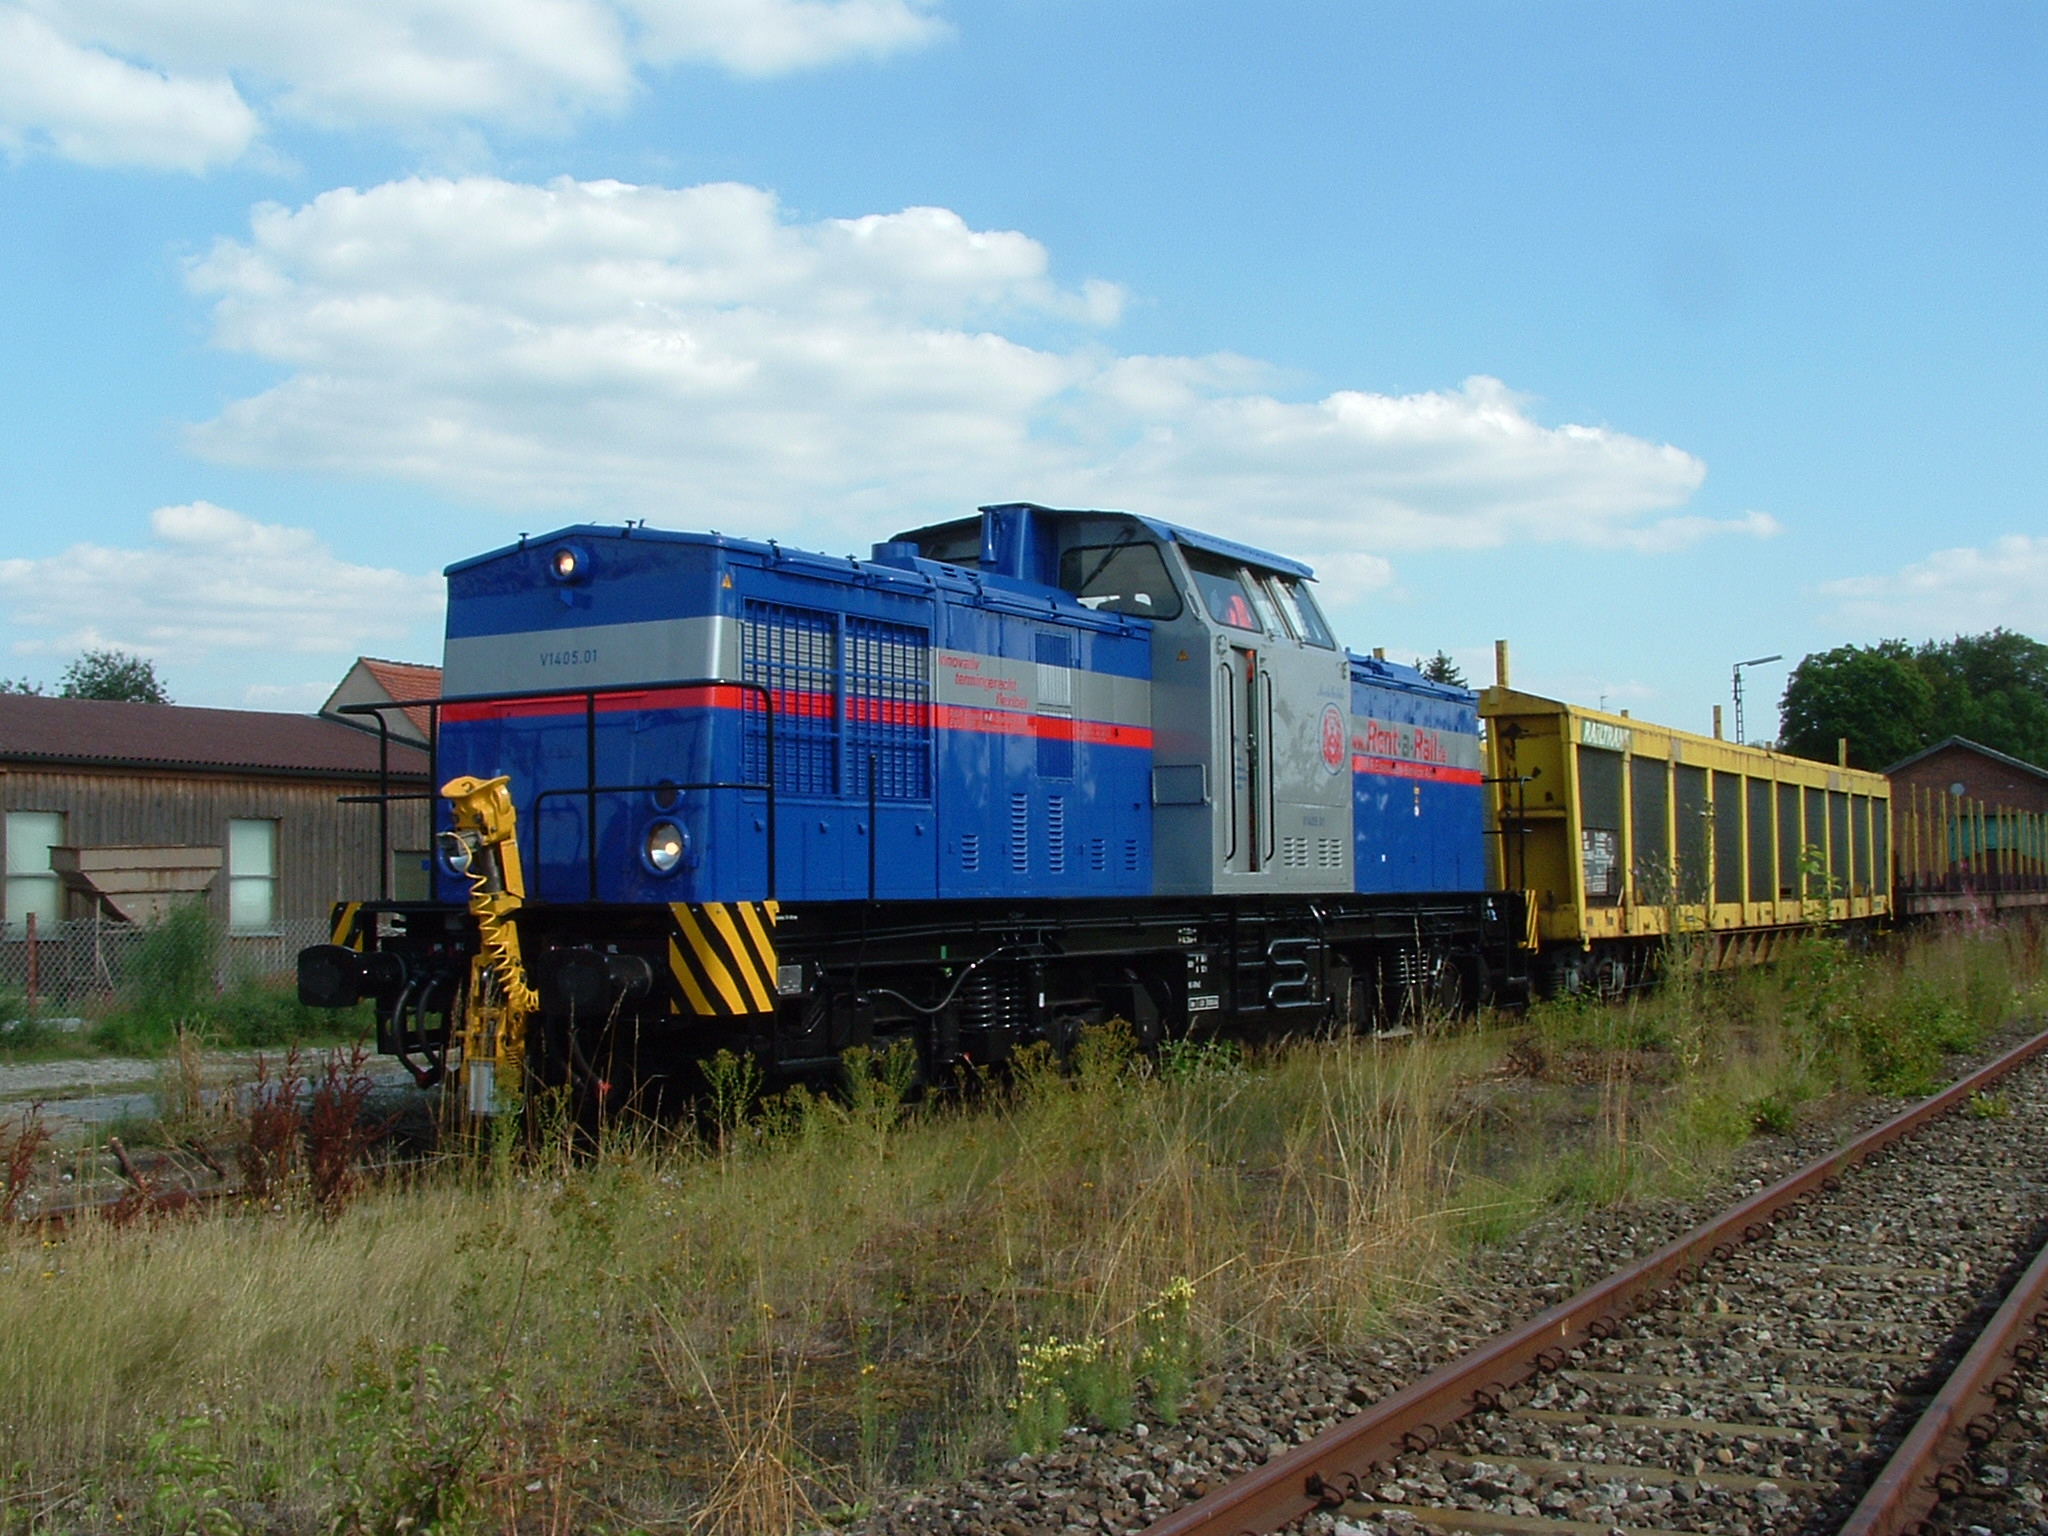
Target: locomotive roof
[[1193, 538]]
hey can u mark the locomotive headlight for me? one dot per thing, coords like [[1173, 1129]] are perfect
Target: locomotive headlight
[[664, 848], [570, 565]]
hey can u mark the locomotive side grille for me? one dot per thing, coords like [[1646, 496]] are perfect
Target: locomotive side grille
[[970, 851], [1130, 855], [842, 684], [794, 653], [889, 694], [1098, 854], [1056, 834], [1020, 834], [1329, 853], [1294, 852]]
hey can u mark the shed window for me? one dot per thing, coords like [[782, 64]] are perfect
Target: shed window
[[32, 886], [411, 875], [252, 876]]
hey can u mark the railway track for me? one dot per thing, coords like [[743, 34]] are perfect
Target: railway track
[[1821, 1358]]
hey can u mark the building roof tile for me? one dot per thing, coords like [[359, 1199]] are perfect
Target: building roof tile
[[101, 733], [1968, 745]]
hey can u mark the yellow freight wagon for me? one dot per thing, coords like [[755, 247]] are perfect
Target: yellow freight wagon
[[1623, 833]]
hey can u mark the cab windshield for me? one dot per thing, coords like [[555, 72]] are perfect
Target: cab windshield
[[1120, 578]]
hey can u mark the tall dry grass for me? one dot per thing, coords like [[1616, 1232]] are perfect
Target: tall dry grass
[[738, 1330]]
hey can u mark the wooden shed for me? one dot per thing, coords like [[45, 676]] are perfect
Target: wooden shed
[[114, 810]]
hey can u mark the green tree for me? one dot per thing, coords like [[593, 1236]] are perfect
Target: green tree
[[1441, 669], [1992, 688], [19, 685], [112, 674], [1879, 696]]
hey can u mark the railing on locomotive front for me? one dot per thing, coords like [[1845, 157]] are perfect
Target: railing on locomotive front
[[589, 790]]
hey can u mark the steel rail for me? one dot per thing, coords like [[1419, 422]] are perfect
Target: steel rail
[[1328, 1471], [1962, 1414]]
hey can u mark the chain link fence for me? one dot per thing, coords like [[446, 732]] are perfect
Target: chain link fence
[[86, 961]]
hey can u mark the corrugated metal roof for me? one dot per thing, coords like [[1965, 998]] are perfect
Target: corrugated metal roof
[[101, 733]]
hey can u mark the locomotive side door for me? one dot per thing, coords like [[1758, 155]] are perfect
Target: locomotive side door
[[1245, 691], [1242, 720], [1280, 697]]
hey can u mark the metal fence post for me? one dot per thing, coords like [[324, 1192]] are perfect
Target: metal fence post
[[32, 959]]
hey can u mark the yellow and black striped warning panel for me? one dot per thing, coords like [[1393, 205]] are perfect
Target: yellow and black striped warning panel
[[722, 954], [344, 928]]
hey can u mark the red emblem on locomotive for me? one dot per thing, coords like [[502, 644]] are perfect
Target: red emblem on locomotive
[[1333, 738]]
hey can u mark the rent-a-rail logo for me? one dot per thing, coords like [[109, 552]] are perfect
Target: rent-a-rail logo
[[1408, 743]]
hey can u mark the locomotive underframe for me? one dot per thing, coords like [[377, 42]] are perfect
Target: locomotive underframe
[[966, 983]]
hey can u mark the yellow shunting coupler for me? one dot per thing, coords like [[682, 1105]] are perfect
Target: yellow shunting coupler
[[499, 999], [1625, 832]]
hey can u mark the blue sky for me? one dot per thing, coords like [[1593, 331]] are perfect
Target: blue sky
[[1649, 338]]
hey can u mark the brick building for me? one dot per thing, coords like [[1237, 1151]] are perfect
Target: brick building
[[1961, 769]]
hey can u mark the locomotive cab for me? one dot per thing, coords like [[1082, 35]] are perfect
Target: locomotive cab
[[1250, 696]]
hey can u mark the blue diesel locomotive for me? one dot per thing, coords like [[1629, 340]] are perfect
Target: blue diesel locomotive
[[1008, 776]]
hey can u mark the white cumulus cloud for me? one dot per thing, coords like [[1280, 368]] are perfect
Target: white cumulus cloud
[[1955, 591], [212, 581], [188, 86], [700, 357], [89, 106]]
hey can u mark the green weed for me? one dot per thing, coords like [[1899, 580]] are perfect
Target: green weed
[[170, 985], [409, 1445]]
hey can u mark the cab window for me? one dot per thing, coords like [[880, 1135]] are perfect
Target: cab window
[[1120, 578], [1222, 587], [1301, 612], [1268, 611]]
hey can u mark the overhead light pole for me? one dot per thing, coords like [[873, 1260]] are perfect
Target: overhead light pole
[[1757, 661]]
